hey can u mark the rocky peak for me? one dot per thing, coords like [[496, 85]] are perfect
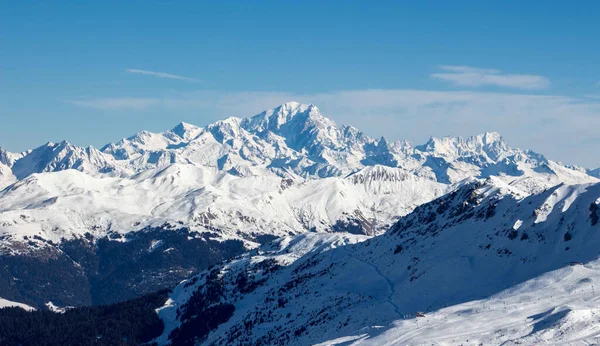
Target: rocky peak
[[186, 131]]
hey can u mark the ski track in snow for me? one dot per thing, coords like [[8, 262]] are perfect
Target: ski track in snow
[[504, 314], [390, 284]]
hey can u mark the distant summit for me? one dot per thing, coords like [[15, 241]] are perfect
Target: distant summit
[[295, 139]]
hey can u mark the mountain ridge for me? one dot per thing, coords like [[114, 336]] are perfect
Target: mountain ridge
[[293, 138]]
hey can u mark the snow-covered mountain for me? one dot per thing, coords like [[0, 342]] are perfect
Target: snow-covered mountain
[[484, 264], [285, 171], [54, 157], [226, 187], [297, 140], [7, 159], [6, 176], [69, 204]]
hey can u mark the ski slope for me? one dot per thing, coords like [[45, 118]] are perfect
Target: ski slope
[[458, 259], [557, 308]]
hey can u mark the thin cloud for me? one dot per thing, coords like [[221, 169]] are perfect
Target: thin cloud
[[467, 76], [118, 103], [468, 69], [162, 75]]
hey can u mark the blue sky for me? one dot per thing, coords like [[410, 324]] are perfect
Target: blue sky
[[94, 72]]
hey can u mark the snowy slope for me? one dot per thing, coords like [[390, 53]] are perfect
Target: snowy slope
[[477, 259], [284, 251], [559, 308], [4, 303], [6, 176], [66, 204], [7, 159]]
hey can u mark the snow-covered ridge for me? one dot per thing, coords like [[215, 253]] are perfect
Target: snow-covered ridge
[[66, 204]]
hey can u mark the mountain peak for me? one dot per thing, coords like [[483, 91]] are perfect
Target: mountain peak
[[383, 143], [6, 157], [491, 137], [292, 114], [490, 143], [293, 105], [185, 130]]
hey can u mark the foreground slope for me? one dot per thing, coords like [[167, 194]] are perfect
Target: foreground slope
[[470, 257], [559, 308]]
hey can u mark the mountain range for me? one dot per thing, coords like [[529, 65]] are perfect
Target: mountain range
[[291, 141], [285, 171], [269, 219]]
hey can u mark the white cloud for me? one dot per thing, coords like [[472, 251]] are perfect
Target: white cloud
[[476, 77], [468, 69], [563, 128], [162, 75]]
